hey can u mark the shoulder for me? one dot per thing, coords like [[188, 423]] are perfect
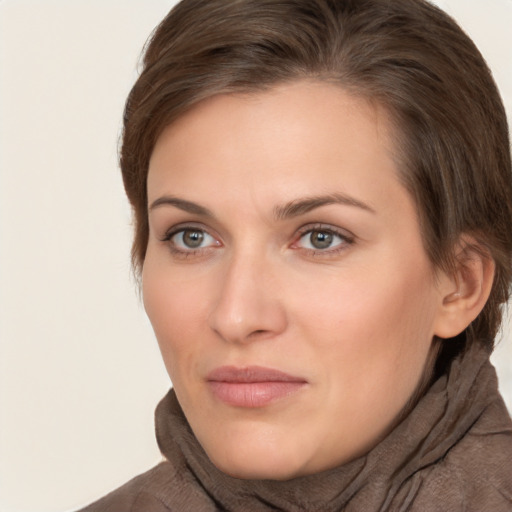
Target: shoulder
[[476, 474], [137, 494], [161, 489]]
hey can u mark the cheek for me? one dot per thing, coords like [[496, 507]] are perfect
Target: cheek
[[177, 311], [371, 323]]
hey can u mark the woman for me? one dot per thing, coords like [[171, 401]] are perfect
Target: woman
[[322, 195]]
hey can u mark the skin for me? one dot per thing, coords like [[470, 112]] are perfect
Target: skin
[[355, 319]]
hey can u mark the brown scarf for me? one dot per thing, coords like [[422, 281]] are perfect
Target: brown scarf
[[452, 452]]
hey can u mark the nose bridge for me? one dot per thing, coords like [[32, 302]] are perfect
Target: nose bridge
[[248, 303]]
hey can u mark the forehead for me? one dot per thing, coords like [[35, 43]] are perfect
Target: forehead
[[288, 128]]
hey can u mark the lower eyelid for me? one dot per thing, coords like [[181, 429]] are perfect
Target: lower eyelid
[[180, 250], [345, 239]]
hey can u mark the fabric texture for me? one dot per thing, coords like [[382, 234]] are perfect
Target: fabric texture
[[453, 452]]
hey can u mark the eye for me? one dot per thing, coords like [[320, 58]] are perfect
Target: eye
[[322, 240], [191, 239]]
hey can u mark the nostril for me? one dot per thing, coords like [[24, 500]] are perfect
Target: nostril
[[259, 333]]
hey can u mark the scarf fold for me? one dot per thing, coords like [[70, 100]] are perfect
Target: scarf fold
[[388, 478]]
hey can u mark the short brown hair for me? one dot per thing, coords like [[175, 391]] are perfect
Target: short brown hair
[[408, 55]]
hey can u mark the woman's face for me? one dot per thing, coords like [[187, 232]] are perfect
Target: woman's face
[[285, 278]]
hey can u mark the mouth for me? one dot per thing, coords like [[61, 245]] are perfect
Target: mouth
[[253, 386]]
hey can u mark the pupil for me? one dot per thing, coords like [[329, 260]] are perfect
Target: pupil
[[193, 239], [321, 239]]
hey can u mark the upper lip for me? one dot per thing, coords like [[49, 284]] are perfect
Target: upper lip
[[250, 374]]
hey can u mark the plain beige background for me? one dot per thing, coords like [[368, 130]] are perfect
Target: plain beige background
[[80, 373]]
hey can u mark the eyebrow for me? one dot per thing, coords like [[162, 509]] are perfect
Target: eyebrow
[[304, 205], [289, 210], [182, 204]]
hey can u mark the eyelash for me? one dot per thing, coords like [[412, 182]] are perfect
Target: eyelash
[[185, 253], [346, 238]]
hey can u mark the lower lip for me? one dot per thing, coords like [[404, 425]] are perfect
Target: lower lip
[[253, 394]]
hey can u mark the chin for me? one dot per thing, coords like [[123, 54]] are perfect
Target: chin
[[260, 466], [254, 472]]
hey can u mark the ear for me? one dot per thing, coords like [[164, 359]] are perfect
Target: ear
[[464, 293]]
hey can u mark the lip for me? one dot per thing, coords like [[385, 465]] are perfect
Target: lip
[[252, 386]]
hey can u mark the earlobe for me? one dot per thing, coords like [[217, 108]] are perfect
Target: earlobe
[[465, 293]]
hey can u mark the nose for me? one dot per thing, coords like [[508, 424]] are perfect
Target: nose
[[249, 304]]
